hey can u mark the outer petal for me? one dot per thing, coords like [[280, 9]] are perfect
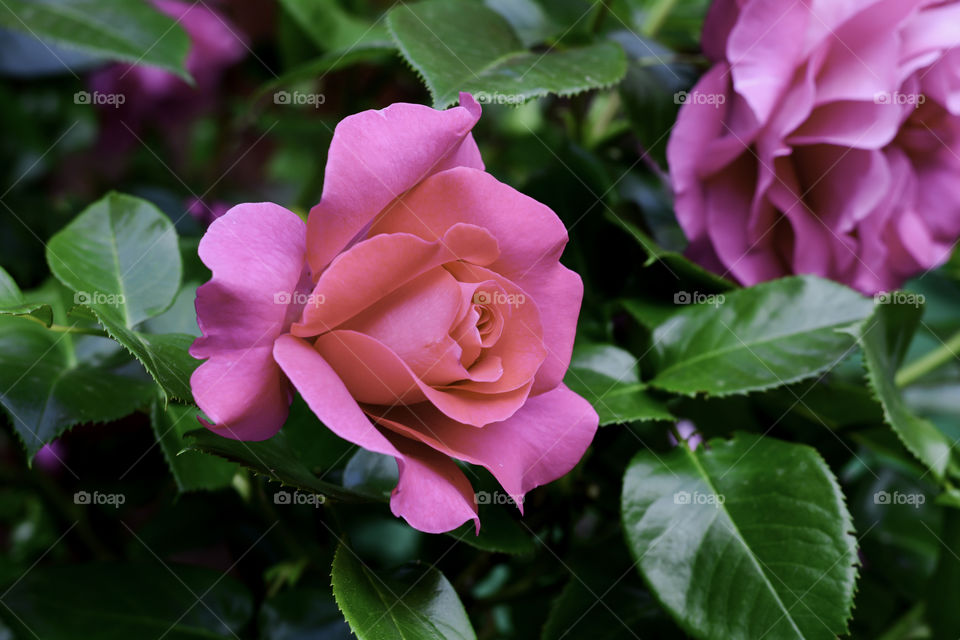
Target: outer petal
[[765, 47], [540, 443], [720, 20], [375, 157], [433, 495], [256, 251]]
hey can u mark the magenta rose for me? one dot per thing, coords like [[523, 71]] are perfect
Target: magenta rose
[[421, 312], [824, 140]]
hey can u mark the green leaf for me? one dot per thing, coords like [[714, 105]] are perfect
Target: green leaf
[[191, 470], [121, 257], [414, 601], [273, 458], [884, 340], [118, 29], [941, 595], [528, 19], [607, 377], [743, 539], [674, 262], [372, 473], [679, 26], [48, 389], [892, 495], [181, 317], [320, 449], [333, 29], [10, 293], [499, 532], [303, 614], [119, 602], [12, 302], [649, 313], [770, 335], [650, 90], [165, 356], [605, 598], [464, 46]]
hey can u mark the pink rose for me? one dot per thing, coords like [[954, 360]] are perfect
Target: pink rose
[[421, 312], [824, 140]]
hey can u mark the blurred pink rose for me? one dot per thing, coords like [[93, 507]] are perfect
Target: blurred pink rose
[[422, 313], [824, 140], [205, 213], [157, 98], [50, 457]]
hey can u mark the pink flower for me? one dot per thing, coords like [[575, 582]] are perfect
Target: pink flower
[[824, 140], [421, 312]]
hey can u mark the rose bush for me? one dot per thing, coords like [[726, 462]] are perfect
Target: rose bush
[[824, 140], [421, 312]]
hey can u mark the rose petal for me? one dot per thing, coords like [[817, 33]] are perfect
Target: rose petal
[[530, 237], [375, 157], [540, 443], [376, 267], [376, 375], [765, 48], [415, 322], [432, 495], [255, 251]]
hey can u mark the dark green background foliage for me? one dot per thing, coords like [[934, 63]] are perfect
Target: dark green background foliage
[[816, 498]]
